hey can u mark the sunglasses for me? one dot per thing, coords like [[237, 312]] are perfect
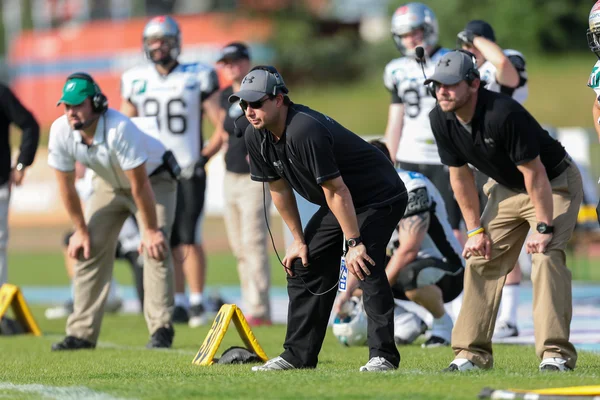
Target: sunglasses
[[257, 105]]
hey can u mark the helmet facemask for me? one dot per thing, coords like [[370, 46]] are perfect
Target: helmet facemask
[[171, 43], [593, 39]]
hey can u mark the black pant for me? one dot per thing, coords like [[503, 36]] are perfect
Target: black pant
[[308, 314]]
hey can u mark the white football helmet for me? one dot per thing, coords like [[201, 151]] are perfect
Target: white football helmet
[[593, 33], [413, 16], [350, 328], [408, 326], [166, 28]]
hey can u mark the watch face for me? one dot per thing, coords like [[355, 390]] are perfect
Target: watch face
[[351, 242]]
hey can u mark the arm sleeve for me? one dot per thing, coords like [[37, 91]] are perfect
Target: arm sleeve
[[314, 146], [594, 80], [126, 87], [58, 156], [129, 146], [520, 137], [260, 170], [418, 202], [446, 150], [19, 115], [209, 83]]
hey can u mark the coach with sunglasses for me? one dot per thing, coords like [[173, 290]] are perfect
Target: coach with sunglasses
[[361, 200], [534, 184]]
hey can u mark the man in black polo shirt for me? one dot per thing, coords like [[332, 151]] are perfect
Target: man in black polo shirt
[[361, 198], [534, 184]]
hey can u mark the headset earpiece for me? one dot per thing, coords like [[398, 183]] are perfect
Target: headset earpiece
[[99, 100], [472, 73]]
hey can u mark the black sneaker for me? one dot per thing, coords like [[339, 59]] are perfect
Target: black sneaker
[[435, 341], [197, 316], [180, 315], [162, 338], [73, 343]]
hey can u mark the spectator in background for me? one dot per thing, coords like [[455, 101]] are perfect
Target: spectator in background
[[593, 37], [245, 200], [12, 111]]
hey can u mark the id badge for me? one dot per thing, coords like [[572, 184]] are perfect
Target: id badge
[[343, 275]]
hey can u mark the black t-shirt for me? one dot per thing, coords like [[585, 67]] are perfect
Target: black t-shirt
[[503, 136], [314, 149], [235, 156]]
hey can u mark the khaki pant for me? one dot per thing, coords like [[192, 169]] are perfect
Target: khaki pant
[[247, 233], [106, 211], [4, 202], [507, 218]]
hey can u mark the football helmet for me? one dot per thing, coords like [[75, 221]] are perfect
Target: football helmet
[[350, 326], [413, 16], [408, 326], [593, 32], [166, 28]]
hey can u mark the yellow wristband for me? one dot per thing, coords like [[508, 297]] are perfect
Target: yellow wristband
[[475, 232]]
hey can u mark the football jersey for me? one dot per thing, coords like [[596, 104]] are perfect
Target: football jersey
[[403, 77], [423, 197], [594, 81], [175, 99], [487, 72]]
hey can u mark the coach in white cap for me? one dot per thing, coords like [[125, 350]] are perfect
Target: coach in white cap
[[134, 175]]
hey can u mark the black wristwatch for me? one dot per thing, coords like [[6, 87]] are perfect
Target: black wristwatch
[[353, 242], [544, 228]]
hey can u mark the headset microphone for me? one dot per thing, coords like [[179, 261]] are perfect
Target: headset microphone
[[420, 53]]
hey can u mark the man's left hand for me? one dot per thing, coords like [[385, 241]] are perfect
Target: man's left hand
[[17, 176], [155, 244], [537, 242], [357, 261]]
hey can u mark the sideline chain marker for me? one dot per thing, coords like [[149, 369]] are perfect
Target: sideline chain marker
[[11, 295]]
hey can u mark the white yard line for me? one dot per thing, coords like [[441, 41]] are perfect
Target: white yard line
[[57, 392]]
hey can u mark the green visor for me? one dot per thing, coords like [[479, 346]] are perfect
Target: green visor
[[76, 91]]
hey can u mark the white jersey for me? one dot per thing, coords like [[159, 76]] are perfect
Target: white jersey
[[403, 77], [594, 81], [488, 74], [176, 101], [440, 241]]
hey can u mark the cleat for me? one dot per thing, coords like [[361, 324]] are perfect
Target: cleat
[[377, 364], [505, 330], [554, 365], [73, 343], [180, 315], [197, 316], [274, 364], [162, 338], [435, 341], [460, 365]]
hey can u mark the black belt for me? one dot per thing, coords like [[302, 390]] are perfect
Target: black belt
[[162, 168], [560, 167]]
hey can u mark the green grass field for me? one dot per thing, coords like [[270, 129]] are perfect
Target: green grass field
[[122, 368]]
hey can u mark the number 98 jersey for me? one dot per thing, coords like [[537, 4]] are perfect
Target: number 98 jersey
[[175, 99], [404, 79]]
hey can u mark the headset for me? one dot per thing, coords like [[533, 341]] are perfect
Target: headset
[[99, 100], [472, 73]]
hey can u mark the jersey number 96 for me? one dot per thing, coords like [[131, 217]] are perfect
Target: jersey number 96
[[175, 117]]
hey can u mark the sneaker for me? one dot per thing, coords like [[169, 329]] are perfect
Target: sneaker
[[180, 315], [435, 341], [258, 321], [274, 364], [377, 364], [59, 312], [505, 330], [197, 317], [73, 343], [460, 365], [162, 338], [554, 365]]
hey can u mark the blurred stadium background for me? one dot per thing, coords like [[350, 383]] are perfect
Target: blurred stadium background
[[331, 53]]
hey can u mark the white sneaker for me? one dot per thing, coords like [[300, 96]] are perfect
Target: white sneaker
[[377, 364], [505, 330], [554, 364], [274, 364], [59, 312], [460, 365]]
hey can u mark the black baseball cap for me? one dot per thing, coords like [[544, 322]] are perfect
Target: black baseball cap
[[452, 68], [481, 28], [234, 51]]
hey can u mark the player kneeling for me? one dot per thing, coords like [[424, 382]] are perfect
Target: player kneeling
[[425, 267]]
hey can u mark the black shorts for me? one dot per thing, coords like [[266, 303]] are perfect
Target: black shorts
[[430, 271], [439, 175], [188, 213]]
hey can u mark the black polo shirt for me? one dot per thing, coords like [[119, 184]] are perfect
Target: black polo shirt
[[503, 135], [314, 149], [235, 156]]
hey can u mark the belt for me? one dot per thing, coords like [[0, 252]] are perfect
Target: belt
[[560, 167], [161, 168]]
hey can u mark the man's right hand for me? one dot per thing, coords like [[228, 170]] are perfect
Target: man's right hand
[[79, 242], [478, 245], [155, 244], [296, 250]]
